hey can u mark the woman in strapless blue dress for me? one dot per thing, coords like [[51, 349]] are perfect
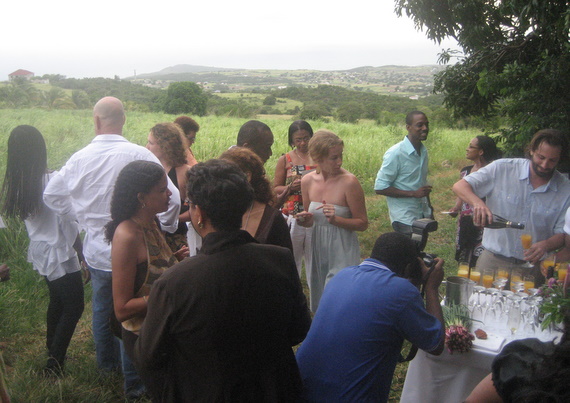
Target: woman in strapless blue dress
[[334, 206]]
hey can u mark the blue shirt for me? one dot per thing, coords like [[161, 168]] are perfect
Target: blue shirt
[[404, 169], [354, 342], [506, 185]]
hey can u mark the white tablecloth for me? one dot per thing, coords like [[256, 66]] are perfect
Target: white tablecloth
[[447, 378]]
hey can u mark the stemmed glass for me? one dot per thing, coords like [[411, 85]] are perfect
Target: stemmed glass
[[493, 312], [526, 240], [514, 316], [477, 313]]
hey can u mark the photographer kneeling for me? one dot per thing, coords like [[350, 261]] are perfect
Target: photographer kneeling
[[365, 314]]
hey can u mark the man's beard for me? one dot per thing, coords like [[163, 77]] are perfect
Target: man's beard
[[542, 174]]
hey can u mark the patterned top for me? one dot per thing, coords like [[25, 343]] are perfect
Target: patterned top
[[294, 202], [159, 258]]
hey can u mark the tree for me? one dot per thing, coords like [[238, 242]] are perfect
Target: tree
[[515, 63], [185, 97], [349, 112], [270, 100]]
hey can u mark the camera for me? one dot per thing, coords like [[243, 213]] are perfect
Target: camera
[[420, 230]]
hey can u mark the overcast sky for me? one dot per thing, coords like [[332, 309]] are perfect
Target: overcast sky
[[104, 38]]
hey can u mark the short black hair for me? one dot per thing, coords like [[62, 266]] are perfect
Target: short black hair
[[410, 116], [397, 251], [222, 191], [249, 132]]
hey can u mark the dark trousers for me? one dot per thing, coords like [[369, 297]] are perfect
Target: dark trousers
[[64, 310]]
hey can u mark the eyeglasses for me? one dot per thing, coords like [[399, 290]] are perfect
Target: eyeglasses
[[303, 139]]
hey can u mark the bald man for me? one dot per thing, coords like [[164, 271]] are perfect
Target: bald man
[[82, 191]]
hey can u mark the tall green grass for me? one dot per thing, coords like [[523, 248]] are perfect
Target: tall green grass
[[23, 299]]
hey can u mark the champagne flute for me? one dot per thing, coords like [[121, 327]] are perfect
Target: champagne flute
[[514, 316], [526, 240]]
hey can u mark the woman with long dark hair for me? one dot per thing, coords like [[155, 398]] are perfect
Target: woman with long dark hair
[[220, 325], [482, 150], [139, 253], [289, 170], [53, 240]]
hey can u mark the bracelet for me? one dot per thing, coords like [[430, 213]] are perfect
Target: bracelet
[[145, 298]]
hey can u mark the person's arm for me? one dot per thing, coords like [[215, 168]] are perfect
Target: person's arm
[[356, 204], [481, 213], [433, 306], [58, 197], [126, 244], [304, 218], [281, 176], [484, 392], [391, 191]]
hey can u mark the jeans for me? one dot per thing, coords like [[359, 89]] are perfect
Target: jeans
[[109, 349], [64, 311]]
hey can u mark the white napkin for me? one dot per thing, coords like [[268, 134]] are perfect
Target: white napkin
[[493, 343]]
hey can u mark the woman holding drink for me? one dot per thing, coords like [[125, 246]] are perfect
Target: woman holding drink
[[334, 206], [287, 183], [481, 150]]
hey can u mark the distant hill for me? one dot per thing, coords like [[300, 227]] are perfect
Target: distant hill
[[395, 80], [180, 69]]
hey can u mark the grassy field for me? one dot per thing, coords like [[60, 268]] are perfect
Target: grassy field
[[23, 300]]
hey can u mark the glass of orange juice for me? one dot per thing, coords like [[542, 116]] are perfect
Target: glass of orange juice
[[528, 282], [475, 275], [463, 270], [562, 271], [488, 277], [526, 240], [516, 275]]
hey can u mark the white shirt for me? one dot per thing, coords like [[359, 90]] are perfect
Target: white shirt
[[51, 242], [83, 189]]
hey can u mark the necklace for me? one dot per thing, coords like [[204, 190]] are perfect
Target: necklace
[[297, 154], [247, 219]]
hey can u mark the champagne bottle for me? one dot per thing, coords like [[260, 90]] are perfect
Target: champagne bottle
[[500, 222]]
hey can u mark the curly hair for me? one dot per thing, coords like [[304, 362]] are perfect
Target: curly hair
[[27, 164], [187, 124], [296, 126], [222, 191], [321, 142], [250, 163], [171, 140], [136, 177]]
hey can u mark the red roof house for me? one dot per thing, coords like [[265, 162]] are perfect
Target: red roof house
[[20, 73]]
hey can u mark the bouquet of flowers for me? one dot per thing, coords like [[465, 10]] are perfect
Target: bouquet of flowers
[[457, 321], [555, 301]]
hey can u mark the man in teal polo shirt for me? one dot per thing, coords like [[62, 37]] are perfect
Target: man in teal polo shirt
[[403, 176]]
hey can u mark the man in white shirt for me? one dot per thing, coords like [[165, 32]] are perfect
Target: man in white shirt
[[82, 190]]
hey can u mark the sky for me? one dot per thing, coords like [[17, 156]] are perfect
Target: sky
[[105, 38]]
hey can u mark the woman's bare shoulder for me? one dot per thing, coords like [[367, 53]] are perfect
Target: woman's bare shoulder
[[128, 232]]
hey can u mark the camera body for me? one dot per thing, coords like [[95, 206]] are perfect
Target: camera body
[[420, 230]]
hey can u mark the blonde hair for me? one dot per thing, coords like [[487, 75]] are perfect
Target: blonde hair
[[321, 142]]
